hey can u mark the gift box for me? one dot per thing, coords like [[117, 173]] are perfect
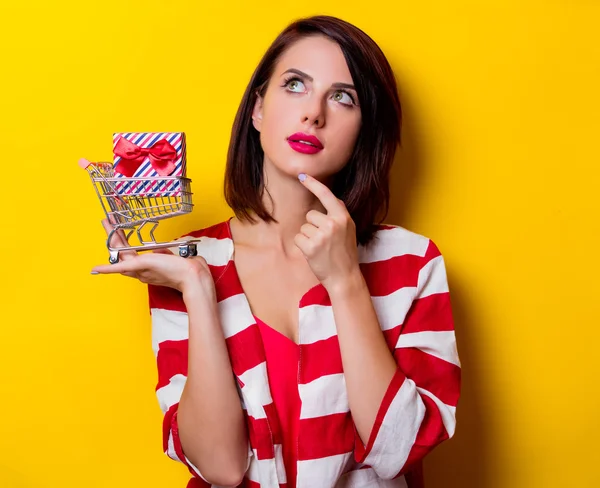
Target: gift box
[[156, 155]]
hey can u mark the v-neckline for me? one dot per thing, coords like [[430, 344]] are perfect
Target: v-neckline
[[231, 259]]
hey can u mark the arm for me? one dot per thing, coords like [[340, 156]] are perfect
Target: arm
[[203, 426], [403, 403]]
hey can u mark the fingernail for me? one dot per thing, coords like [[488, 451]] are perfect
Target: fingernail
[[94, 272], [302, 177]]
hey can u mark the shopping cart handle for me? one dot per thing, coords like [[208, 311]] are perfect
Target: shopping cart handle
[[84, 163]]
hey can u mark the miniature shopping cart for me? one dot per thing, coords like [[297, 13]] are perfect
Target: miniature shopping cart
[[142, 209]]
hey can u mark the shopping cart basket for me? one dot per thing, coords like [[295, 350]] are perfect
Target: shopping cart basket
[[141, 209]]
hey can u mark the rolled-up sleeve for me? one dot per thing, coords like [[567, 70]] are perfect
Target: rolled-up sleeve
[[418, 410]]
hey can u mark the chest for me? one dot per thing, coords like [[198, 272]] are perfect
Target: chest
[[274, 286]]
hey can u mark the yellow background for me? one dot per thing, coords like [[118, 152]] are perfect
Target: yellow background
[[499, 167]]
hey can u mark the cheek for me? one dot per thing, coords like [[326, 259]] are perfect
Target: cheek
[[346, 135]]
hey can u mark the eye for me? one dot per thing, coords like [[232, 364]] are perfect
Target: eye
[[343, 97], [295, 85]]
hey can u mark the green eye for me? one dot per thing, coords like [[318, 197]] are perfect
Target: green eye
[[338, 96], [295, 85]]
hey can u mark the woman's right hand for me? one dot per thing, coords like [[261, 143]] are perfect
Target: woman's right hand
[[160, 267]]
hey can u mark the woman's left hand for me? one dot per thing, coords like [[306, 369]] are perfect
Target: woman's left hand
[[328, 241]]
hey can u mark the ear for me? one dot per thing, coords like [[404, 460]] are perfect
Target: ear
[[257, 113]]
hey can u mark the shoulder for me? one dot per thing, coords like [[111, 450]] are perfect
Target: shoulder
[[392, 242]]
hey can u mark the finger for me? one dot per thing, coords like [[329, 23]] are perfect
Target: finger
[[324, 194], [316, 218], [128, 266], [309, 230], [303, 243]]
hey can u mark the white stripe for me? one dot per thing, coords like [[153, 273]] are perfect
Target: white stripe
[[360, 478], [279, 463], [171, 448], [168, 325], [256, 389], [432, 278], [447, 412], [316, 323], [398, 431], [323, 472], [263, 471], [235, 315], [216, 252], [389, 243], [170, 394], [441, 344], [324, 396], [392, 309]]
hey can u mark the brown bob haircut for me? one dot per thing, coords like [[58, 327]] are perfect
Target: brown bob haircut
[[363, 184]]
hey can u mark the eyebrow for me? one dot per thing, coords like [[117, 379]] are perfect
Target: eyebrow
[[310, 78]]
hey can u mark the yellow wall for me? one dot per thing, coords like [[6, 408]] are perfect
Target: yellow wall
[[499, 167]]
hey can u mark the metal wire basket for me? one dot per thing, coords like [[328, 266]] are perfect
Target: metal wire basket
[[136, 204]]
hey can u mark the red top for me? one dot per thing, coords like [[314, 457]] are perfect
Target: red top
[[282, 355]]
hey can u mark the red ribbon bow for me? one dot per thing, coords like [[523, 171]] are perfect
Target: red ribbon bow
[[162, 157]]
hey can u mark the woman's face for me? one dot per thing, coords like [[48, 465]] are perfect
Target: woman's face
[[309, 118]]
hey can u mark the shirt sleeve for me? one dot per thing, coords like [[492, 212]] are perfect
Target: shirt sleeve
[[418, 410], [170, 345]]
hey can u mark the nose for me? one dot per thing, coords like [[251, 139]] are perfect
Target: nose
[[314, 112]]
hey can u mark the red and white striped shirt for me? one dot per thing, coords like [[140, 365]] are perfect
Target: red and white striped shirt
[[406, 277]]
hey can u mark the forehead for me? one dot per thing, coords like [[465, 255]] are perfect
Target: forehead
[[318, 57]]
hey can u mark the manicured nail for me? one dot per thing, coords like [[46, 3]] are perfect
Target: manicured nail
[[302, 177], [94, 272]]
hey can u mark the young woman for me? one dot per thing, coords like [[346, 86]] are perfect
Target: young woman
[[307, 345]]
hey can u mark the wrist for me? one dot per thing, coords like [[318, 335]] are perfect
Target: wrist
[[197, 287], [347, 286]]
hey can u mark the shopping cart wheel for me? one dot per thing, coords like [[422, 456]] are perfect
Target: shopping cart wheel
[[113, 258], [187, 250], [184, 250]]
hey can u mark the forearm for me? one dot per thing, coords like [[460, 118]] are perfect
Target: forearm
[[210, 417], [367, 361]]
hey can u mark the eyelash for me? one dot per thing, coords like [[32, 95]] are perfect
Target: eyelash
[[296, 78]]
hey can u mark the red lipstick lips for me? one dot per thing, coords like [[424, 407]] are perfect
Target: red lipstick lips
[[305, 143]]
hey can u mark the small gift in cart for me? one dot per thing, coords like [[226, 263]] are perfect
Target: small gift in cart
[[145, 183]]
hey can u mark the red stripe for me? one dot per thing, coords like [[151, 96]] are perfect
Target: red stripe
[[165, 298], [216, 272], [317, 295], [172, 359], [319, 359], [431, 433], [385, 277], [431, 313], [435, 375], [228, 284], [391, 336], [360, 450], [260, 437], [325, 436], [432, 252], [246, 350], [167, 422]]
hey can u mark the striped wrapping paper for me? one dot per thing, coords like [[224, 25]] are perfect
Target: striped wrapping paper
[[153, 187]]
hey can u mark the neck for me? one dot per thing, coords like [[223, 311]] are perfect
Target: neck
[[288, 201]]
